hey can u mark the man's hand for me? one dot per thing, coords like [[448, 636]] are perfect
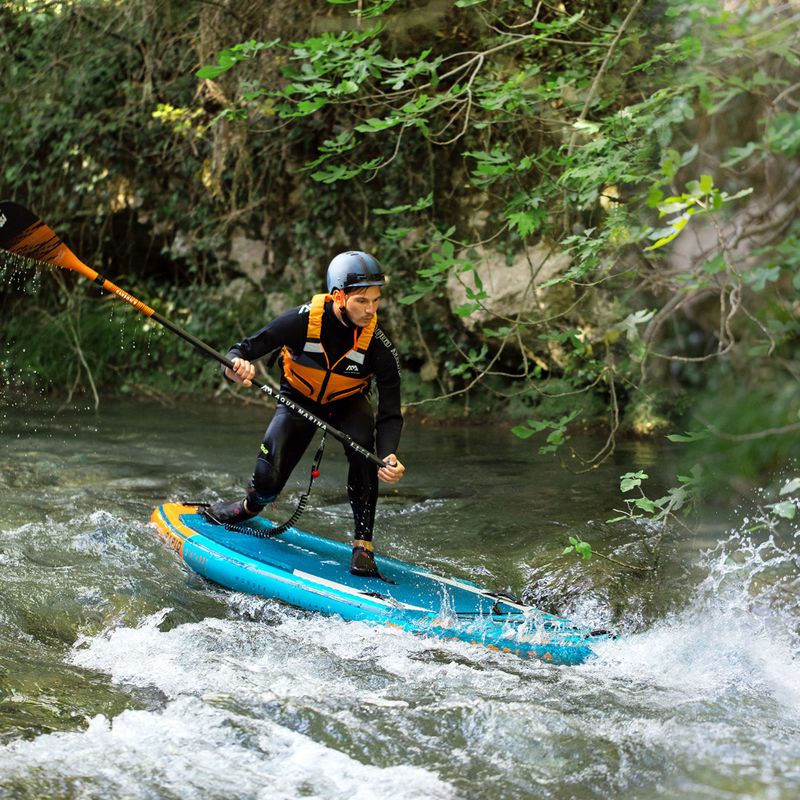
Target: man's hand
[[243, 372], [393, 470]]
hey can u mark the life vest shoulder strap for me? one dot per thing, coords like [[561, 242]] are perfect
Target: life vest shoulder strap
[[365, 337], [314, 334]]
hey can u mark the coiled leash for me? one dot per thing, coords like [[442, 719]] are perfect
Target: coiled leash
[[301, 503], [270, 533], [298, 512]]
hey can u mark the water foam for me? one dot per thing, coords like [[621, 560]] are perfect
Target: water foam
[[223, 680], [738, 636], [192, 749]]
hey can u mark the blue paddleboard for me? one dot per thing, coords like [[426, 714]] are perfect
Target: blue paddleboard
[[312, 573]]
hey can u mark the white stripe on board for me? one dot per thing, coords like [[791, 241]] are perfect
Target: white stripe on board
[[343, 587], [474, 589]]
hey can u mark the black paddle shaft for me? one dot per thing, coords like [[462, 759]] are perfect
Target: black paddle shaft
[[25, 235], [341, 436]]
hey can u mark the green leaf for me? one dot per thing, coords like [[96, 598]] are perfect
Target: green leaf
[[373, 125], [690, 155], [395, 234], [333, 173], [211, 71], [630, 480], [584, 549], [663, 241], [408, 299], [421, 204], [654, 197], [743, 193], [498, 333], [585, 126], [226, 59], [680, 223], [759, 277], [302, 109], [672, 205], [706, 183], [694, 478], [785, 509], [526, 222], [691, 436], [628, 326], [715, 265], [790, 487], [670, 164], [738, 154], [522, 431]]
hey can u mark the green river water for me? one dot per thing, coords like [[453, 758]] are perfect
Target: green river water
[[124, 675]]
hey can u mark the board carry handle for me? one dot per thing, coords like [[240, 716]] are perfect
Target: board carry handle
[[24, 234]]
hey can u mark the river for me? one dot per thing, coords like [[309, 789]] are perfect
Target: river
[[123, 674]]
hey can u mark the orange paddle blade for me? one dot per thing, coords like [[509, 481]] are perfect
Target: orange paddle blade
[[39, 242], [24, 234]]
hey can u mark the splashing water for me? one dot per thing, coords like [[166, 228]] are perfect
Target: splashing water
[[21, 273], [204, 734], [723, 674], [122, 674]]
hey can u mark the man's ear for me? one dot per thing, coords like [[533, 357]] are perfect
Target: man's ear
[[339, 297]]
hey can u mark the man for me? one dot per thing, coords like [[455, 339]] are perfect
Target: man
[[331, 351]]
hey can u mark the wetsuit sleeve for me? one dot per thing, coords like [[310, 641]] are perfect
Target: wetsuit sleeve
[[386, 369], [287, 329]]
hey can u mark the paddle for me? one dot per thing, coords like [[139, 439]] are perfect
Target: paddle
[[24, 234]]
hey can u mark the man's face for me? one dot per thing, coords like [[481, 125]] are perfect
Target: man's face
[[362, 305]]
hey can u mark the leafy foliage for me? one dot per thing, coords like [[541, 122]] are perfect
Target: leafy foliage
[[651, 153], [581, 129]]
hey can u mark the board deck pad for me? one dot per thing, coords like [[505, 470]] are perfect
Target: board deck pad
[[312, 572]]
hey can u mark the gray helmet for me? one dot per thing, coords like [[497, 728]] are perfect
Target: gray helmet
[[352, 269]]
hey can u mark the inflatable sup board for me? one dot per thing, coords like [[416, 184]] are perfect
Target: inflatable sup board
[[312, 572]]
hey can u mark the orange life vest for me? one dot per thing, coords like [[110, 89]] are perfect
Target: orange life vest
[[311, 373]]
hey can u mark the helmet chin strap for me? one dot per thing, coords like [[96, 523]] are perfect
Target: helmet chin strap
[[340, 298]]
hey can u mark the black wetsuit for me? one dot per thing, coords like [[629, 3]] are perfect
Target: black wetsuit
[[288, 434]]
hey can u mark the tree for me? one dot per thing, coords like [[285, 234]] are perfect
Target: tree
[[656, 148]]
